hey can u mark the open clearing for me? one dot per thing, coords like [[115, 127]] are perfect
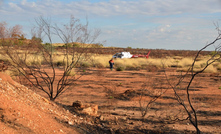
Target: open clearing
[[118, 93]]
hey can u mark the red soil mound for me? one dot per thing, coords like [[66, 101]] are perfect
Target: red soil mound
[[24, 111]]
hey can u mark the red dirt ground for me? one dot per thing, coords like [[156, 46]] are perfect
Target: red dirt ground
[[118, 95]]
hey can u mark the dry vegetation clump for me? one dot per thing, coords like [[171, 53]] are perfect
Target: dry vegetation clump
[[218, 67], [135, 63], [158, 62], [186, 62], [211, 69], [3, 58], [100, 61]]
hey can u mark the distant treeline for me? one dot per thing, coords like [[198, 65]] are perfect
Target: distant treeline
[[155, 53]]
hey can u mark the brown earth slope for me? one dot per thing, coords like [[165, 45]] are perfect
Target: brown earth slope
[[24, 111]]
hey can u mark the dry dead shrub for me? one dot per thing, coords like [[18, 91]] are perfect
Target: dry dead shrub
[[151, 91]]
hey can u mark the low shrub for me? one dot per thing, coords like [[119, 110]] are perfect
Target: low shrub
[[85, 64], [185, 62], [59, 63], [210, 69], [120, 68], [218, 67]]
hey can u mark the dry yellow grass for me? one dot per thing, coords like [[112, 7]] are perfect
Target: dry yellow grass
[[160, 62], [218, 66], [2, 57], [211, 69], [96, 60], [186, 62], [100, 60]]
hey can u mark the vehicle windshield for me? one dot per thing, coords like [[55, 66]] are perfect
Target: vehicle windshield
[[118, 55]]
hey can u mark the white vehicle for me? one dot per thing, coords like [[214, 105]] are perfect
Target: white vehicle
[[128, 55], [122, 55]]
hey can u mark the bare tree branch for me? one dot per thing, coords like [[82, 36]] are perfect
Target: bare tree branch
[[43, 75], [191, 112]]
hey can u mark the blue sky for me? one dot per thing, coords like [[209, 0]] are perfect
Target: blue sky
[[153, 24]]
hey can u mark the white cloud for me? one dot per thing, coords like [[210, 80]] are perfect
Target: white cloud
[[15, 7], [149, 7], [23, 2], [130, 8], [1, 2], [142, 23]]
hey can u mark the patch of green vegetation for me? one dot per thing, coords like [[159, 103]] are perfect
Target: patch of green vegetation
[[49, 47], [97, 45], [213, 53], [68, 45], [111, 97], [76, 45]]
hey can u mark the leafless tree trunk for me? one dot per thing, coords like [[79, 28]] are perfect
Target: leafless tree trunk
[[187, 105], [43, 75]]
